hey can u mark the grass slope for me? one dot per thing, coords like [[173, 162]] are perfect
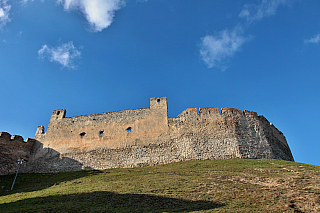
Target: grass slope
[[235, 185]]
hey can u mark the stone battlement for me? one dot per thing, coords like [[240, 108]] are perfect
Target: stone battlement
[[13, 148]]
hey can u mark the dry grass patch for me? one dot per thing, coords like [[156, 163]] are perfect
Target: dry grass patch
[[235, 185]]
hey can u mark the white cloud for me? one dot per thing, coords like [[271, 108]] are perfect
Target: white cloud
[[64, 54], [25, 1], [315, 39], [215, 49], [253, 12], [99, 13], [4, 12]]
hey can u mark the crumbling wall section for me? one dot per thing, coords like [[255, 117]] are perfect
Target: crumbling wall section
[[252, 136], [13, 148]]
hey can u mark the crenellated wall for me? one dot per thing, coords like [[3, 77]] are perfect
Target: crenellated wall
[[13, 148], [143, 137]]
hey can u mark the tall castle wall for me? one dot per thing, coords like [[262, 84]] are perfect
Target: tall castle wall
[[107, 130], [144, 137]]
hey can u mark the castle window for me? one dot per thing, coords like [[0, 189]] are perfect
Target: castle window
[[82, 134], [128, 129], [58, 112], [101, 133], [158, 100]]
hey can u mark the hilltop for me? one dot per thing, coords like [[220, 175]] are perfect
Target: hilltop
[[233, 185]]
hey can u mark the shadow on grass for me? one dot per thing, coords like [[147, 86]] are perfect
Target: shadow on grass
[[37, 181], [107, 202]]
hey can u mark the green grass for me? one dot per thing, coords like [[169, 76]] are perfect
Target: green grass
[[235, 185]]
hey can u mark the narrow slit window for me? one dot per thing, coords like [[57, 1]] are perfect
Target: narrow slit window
[[128, 129], [82, 134]]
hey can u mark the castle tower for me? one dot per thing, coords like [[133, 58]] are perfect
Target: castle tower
[[159, 108]]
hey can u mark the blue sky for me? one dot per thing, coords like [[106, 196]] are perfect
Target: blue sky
[[93, 56]]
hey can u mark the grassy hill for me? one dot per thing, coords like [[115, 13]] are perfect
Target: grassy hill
[[235, 185]]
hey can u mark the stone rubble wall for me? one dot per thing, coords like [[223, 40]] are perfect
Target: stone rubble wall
[[13, 148]]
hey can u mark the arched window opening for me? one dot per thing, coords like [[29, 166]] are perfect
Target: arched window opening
[[101, 133], [128, 129], [158, 100], [82, 134]]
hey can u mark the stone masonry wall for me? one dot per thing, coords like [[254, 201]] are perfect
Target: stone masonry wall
[[108, 130], [13, 148], [153, 138]]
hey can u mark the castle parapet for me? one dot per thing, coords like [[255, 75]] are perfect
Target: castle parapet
[[13, 148], [250, 114], [208, 111], [17, 138], [5, 136], [231, 111]]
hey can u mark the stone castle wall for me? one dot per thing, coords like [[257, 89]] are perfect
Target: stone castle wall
[[145, 137], [13, 148], [105, 130]]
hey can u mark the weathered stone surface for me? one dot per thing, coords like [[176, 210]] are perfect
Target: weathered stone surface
[[145, 137], [12, 149]]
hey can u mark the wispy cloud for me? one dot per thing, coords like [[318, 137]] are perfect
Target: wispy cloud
[[99, 13], [215, 49], [25, 1], [252, 12], [64, 54], [315, 39], [4, 12]]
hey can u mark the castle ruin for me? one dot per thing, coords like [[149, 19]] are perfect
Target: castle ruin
[[12, 148], [144, 137]]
